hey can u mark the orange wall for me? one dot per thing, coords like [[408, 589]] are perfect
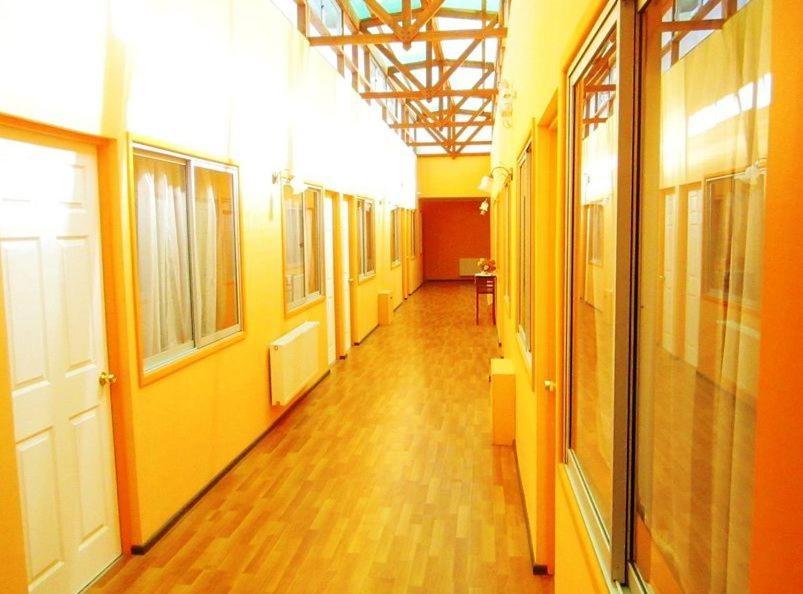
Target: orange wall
[[453, 229], [776, 560]]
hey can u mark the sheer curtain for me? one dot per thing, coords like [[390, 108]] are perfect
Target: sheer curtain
[[293, 246], [163, 256], [702, 218]]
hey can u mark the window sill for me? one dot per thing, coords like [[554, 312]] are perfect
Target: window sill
[[289, 312], [364, 278], [147, 378]]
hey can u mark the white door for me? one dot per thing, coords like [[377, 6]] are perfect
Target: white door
[[670, 252], [329, 253], [51, 268], [346, 271], [694, 261]]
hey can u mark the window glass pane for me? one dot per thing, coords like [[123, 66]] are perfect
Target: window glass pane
[[508, 240], [525, 249], [395, 235], [371, 233], [701, 232], [165, 308], [365, 221], [294, 282], [312, 240], [215, 251], [595, 131]]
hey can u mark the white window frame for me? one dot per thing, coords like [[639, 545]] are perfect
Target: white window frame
[[611, 548], [364, 246], [395, 236], [291, 306], [524, 206], [198, 342]]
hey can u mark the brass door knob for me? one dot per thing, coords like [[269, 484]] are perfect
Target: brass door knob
[[106, 378]]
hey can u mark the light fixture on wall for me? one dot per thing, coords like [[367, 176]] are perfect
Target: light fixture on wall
[[487, 182], [506, 96], [487, 185], [297, 186]]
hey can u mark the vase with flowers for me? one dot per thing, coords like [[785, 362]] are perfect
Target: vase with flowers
[[486, 265]]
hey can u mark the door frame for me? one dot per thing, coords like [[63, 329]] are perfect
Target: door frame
[[111, 157]]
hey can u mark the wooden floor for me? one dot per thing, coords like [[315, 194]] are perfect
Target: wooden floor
[[382, 480]]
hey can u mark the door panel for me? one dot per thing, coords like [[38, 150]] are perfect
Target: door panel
[[346, 268], [329, 252], [670, 252], [694, 256], [51, 264]]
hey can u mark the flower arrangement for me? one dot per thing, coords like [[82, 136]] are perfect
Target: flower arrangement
[[487, 266]]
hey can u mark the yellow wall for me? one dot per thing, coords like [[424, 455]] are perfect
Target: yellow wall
[[447, 177], [541, 38], [226, 79]]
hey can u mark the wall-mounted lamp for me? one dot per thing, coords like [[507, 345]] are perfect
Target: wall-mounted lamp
[[297, 186], [487, 182]]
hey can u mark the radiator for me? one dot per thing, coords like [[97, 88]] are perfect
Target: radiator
[[468, 266], [294, 362]]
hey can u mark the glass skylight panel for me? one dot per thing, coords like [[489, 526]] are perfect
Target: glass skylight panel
[[330, 14], [473, 103], [490, 5], [487, 50], [452, 48], [464, 78], [451, 24], [416, 53]]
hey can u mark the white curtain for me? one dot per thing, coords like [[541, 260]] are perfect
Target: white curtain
[[294, 246], [206, 251], [697, 409], [162, 242]]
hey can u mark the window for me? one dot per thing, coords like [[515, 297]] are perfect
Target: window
[[595, 224], [303, 256], [525, 310], [594, 115], [699, 317], [600, 303], [733, 212], [366, 217], [188, 265], [395, 236], [664, 327], [509, 240]]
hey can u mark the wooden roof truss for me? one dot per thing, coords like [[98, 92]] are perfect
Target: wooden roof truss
[[420, 98]]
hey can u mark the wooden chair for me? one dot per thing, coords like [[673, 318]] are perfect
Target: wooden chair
[[484, 285]]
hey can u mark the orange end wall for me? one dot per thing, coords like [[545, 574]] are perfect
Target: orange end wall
[[453, 229]]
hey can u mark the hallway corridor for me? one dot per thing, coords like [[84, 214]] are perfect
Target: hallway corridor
[[382, 480]]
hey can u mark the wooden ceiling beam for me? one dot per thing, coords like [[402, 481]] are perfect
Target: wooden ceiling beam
[[476, 64], [378, 38], [442, 12], [383, 15], [426, 14], [442, 124], [462, 143], [428, 94]]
